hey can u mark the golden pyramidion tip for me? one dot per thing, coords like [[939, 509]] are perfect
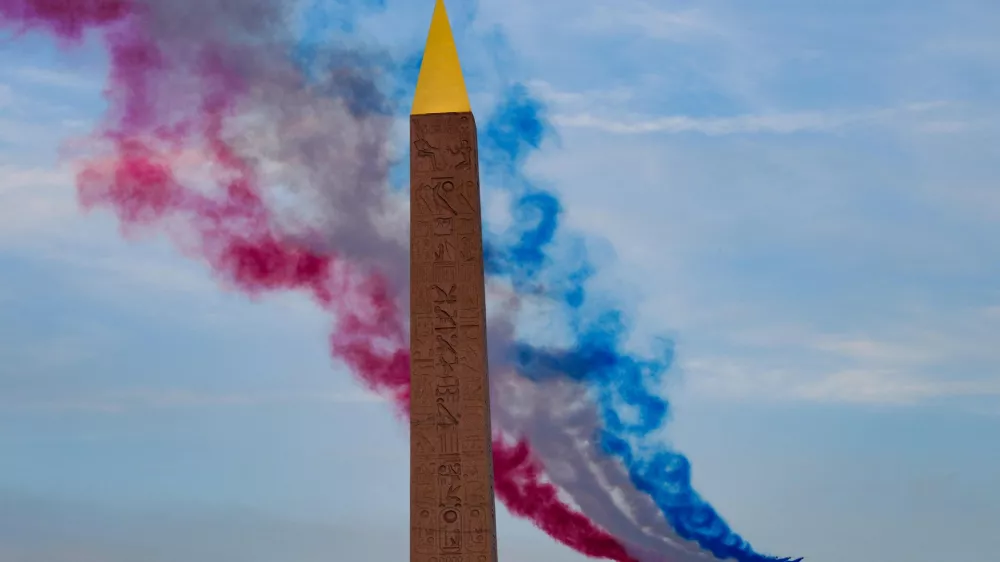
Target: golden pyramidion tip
[[440, 85]]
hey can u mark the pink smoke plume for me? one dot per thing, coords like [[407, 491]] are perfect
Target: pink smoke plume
[[138, 172]]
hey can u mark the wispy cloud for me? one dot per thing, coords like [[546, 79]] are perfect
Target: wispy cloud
[[119, 402], [890, 387], [652, 20], [898, 349], [773, 123], [905, 364], [42, 108], [56, 78], [875, 351], [743, 379], [581, 100], [34, 200]]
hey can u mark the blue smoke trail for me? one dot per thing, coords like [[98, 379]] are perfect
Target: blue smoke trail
[[623, 384], [631, 411], [515, 130]]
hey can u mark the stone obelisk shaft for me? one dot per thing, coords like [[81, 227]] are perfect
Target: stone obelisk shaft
[[452, 516]]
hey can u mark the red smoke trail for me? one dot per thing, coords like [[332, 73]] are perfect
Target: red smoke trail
[[234, 232]]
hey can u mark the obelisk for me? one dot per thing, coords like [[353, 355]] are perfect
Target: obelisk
[[452, 517]]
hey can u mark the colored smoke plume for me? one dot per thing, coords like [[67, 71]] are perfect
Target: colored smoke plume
[[182, 76], [291, 194], [624, 384]]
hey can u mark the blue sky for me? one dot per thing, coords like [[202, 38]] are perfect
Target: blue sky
[[803, 195]]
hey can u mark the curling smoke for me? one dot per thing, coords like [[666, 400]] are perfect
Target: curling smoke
[[560, 420], [225, 79], [198, 77], [623, 384]]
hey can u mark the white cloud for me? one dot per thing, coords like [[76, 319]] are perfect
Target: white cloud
[[117, 402], [887, 328], [906, 349], [566, 100], [41, 219], [34, 122], [774, 123], [629, 16], [890, 387], [909, 358], [607, 110], [55, 78], [745, 379], [35, 201], [870, 350], [733, 379]]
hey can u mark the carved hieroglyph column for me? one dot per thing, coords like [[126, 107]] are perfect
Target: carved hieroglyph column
[[452, 517]]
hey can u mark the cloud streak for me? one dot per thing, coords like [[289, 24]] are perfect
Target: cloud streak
[[775, 123]]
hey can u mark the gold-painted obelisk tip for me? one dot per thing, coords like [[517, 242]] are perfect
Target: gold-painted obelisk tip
[[440, 85]]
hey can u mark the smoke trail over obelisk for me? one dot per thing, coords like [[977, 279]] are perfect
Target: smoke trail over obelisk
[[274, 174]]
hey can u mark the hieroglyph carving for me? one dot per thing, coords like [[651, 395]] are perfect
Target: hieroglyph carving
[[452, 513]]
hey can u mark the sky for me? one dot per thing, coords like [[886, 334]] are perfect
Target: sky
[[802, 195]]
